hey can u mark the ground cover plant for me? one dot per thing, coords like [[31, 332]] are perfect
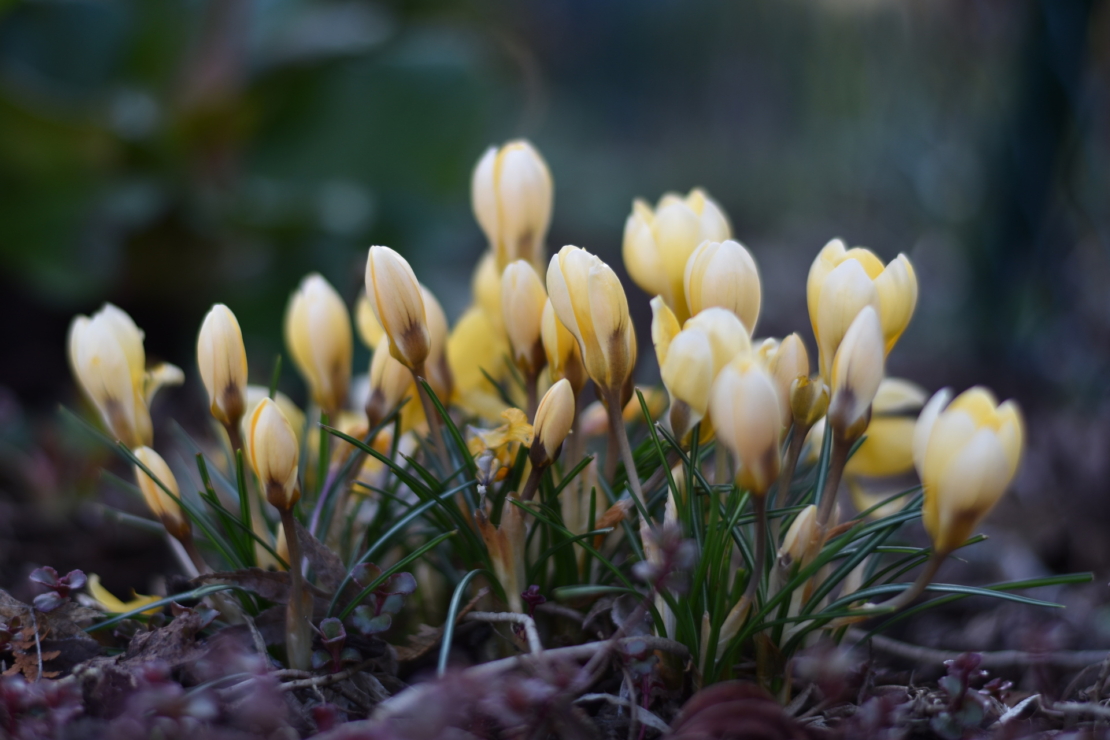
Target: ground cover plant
[[496, 533]]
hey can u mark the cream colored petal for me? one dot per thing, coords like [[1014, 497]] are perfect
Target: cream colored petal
[[525, 195], [394, 293], [897, 395], [950, 433], [826, 261], [642, 258], [857, 370], [129, 337], [887, 451], [714, 222], [923, 429], [726, 334], [612, 326], [968, 488], [486, 288], [483, 195], [897, 289], [845, 292], [724, 276], [370, 330], [523, 298], [688, 372]]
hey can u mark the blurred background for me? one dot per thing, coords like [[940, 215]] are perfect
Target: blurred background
[[167, 155]]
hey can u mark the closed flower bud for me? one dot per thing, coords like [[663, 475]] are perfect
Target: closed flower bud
[[966, 452], [274, 454], [554, 418], [747, 417], [888, 448], [395, 295], [664, 328], [809, 401], [512, 193], [390, 384], [369, 330], [255, 395], [318, 336], [723, 274], [161, 504], [857, 371], [523, 298], [788, 362], [564, 359], [107, 358], [799, 543], [223, 364], [588, 298], [842, 281], [658, 243], [708, 342]]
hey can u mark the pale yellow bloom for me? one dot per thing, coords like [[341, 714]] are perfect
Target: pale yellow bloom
[[160, 503], [318, 337], [786, 361], [512, 193], [255, 394], [842, 281], [222, 359], [274, 454], [515, 430], [747, 417], [390, 384], [523, 298], [966, 453], [485, 286], [588, 298], [888, 448], [723, 274], [395, 296], [107, 358], [658, 243], [475, 345], [554, 418], [113, 605]]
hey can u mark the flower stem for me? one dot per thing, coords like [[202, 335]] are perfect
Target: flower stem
[[838, 457], [532, 484], [793, 452], [759, 503], [298, 628]]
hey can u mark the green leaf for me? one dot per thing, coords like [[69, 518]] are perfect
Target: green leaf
[[414, 555], [452, 617]]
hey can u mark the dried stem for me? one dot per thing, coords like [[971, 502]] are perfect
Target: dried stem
[[525, 621], [432, 416], [905, 598], [298, 635]]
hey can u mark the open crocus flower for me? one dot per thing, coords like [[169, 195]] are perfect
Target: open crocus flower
[[658, 243], [107, 358], [477, 350], [966, 453], [842, 281], [110, 603]]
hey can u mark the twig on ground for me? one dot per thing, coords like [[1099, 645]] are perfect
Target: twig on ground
[[410, 699], [256, 637], [38, 643], [529, 625], [562, 611], [326, 680], [991, 659]]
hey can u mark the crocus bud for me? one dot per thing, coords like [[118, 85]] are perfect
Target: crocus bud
[[390, 384], [966, 452], [857, 371], [394, 294], [107, 358], [554, 418], [512, 193], [318, 336], [522, 302], [798, 544], [588, 298], [842, 281], [809, 401], [161, 504], [708, 342], [747, 417], [255, 396], [888, 447], [723, 274], [223, 364], [564, 359], [369, 330], [788, 362], [274, 454], [658, 243]]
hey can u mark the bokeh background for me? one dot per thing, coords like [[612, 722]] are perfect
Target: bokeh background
[[167, 155]]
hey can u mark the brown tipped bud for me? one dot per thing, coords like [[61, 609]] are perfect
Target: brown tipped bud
[[161, 504], [318, 335], [395, 296], [798, 544], [274, 454], [222, 359], [554, 418], [523, 298]]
